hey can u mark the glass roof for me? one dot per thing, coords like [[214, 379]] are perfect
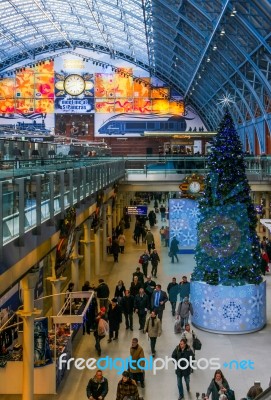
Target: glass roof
[[201, 48]]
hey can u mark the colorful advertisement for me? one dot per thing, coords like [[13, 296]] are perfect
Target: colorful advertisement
[[74, 85], [27, 98], [42, 352]]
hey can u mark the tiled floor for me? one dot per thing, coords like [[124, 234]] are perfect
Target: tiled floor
[[255, 346]]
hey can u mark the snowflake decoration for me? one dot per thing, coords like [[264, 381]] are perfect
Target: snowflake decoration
[[257, 301], [226, 100], [232, 311], [194, 212], [208, 305], [177, 207], [188, 237]]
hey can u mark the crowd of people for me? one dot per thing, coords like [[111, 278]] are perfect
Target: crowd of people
[[145, 299]]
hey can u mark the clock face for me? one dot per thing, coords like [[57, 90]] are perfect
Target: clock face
[[74, 84], [194, 187]]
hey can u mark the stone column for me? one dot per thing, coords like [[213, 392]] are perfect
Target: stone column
[[109, 218], [56, 286], [104, 252], [75, 258], [114, 216], [28, 314], [97, 249], [87, 248]]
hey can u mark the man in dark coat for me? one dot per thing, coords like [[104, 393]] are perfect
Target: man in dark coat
[[141, 307], [140, 275], [144, 258], [173, 291], [149, 287], [158, 300], [127, 388], [97, 387], [102, 291], [174, 249], [127, 306], [114, 319], [182, 351], [155, 259]]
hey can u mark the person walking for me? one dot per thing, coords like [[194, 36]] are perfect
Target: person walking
[[114, 319], [173, 250], [135, 286], [149, 287], [119, 291], [158, 300], [121, 242], [218, 386], [127, 388], [149, 240], [127, 307], [140, 275], [97, 387], [100, 329], [153, 329], [189, 335], [155, 259], [144, 258], [115, 250], [103, 292], [173, 291], [184, 288], [137, 353], [141, 307], [182, 354], [185, 308]]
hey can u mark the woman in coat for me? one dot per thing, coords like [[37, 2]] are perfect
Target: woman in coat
[[120, 291], [218, 386], [154, 329]]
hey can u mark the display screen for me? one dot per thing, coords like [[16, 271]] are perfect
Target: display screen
[[137, 210]]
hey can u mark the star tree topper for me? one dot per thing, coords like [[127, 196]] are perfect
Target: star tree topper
[[226, 100]]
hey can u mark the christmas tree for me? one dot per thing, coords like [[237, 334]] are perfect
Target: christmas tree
[[228, 249]]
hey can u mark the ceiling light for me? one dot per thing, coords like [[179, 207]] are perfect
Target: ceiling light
[[233, 12], [222, 32], [214, 47], [208, 59]]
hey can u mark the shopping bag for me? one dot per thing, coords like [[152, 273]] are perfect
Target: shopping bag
[[230, 394], [177, 326]]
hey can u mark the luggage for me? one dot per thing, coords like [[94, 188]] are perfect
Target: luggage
[[177, 326]]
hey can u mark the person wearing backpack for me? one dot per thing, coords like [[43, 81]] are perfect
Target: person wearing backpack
[[185, 308], [101, 329], [182, 355]]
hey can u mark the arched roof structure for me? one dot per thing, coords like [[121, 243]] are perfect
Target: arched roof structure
[[204, 49]]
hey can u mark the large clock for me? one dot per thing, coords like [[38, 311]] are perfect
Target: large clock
[[194, 187], [74, 84]]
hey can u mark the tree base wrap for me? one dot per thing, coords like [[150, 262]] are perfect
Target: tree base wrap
[[228, 309]]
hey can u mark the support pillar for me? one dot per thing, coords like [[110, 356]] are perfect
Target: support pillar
[[28, 315], [97, 250], [109, 218], [56, 290], [114, 216], [118, 212], [56, 285], [75, 258], [104, 252], [87, 248]]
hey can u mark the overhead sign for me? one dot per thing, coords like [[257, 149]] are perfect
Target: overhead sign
[[137, 210]]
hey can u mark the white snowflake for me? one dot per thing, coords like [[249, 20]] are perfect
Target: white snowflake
[[178, 207], [257, 300], [208, 305], [188, 237], [194, 212]]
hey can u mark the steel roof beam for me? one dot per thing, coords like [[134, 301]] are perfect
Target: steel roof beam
[[207, 46]]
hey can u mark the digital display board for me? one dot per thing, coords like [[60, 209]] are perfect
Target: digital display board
[[137, 210]]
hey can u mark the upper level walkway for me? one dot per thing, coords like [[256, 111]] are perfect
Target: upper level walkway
[[33, 191]]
